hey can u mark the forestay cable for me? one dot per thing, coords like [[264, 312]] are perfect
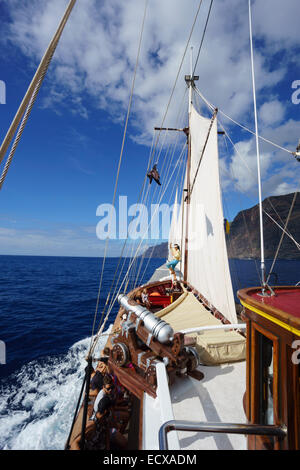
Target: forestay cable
[[203, 35], [241, 125]]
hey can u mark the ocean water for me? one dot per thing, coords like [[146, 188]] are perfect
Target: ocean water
[[47, 306]]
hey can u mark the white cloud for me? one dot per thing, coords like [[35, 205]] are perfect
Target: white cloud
[[243, 166], [95, 59], [66, 241], [7, 232], [279, 170], [277, 23], [271, 112], [98, 50]]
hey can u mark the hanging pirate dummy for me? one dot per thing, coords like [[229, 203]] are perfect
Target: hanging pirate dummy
[[153, 174]]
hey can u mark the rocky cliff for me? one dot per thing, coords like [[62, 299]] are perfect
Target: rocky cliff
[[157, 251], [243, 240]]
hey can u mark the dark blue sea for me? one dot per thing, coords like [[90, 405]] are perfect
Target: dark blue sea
[[47, 310]]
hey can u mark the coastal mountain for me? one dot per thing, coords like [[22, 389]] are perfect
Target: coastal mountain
[[157, 251], [243, 240]]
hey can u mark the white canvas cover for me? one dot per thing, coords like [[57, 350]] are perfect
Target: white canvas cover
[[208, 268], [215, 346]]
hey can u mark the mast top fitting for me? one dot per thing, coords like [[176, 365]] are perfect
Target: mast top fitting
[[191, 79]]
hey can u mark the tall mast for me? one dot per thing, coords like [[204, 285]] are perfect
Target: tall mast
[[190, 82], [258, 162], [190, 88]]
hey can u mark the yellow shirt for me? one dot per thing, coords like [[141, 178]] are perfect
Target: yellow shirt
[[176, 254]]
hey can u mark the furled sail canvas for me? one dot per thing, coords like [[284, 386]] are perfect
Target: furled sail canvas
[[208, 267]]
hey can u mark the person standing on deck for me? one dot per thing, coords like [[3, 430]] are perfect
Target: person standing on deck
[[175, 258]]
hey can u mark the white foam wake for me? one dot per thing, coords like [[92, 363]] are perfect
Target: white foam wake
[[37, 408]]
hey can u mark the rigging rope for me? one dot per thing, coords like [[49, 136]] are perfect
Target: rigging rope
[[241, 125], [121, 255], [203, 35], [161, 124], [176, 79], [165, 114], [120, 160], [30, 96], [124, 245], [284, 231], [166, 173], [238, 153], [130, 265], [133, 257], [282, 236], [278, 215], [158, 136], [140, 278], [151, 254], [23, 122], [180, 66], [145, 199]]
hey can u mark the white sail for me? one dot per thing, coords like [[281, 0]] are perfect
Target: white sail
[[207, 263], [182, 224], [173, 234]]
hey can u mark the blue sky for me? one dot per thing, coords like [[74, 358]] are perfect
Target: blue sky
[[66, 162]]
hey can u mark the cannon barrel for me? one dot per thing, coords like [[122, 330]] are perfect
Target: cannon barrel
[[160, 329]]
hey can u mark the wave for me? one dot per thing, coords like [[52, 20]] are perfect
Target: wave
[[37, 404]]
